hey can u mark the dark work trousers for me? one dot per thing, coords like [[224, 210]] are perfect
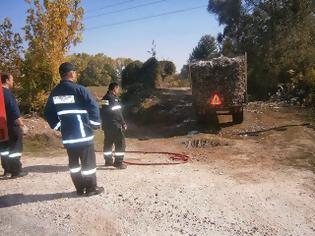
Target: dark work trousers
[[11, 151], [84, 175], [114, 136]]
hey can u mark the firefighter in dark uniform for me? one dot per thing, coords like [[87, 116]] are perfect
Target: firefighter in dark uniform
[[72, 110], [113, 125], [11, 150]]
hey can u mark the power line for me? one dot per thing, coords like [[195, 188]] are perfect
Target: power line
[[112, 5], [146, 17], [126, 9]]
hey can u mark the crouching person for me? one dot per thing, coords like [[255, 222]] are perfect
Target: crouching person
[[72, 110]]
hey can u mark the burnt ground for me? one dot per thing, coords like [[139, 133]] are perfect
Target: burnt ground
[[256, 178]]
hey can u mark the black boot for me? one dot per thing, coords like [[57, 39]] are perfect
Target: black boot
[[16, 169], [119, 164], [18, 175], [80, 192], [95, 191], [6, 173], [109, 162], [5, 165], [77, 180]]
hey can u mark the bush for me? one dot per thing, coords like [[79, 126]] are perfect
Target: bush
[[151, 73], [148, 74], [131, 74]]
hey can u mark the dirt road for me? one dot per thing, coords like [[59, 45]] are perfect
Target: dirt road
[[238, 182]]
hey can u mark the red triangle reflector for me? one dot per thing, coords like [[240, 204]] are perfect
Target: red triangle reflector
[[216, 100]]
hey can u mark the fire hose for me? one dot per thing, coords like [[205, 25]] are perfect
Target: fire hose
[[177, 158]]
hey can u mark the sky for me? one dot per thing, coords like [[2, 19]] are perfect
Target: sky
[[122, 28]]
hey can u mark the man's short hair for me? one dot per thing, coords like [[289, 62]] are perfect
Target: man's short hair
[[4, 77], [112, 86], [65, 68]]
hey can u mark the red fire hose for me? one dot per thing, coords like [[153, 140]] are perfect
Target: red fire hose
[[177, 158]]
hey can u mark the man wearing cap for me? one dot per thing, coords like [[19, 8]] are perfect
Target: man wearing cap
[[11, 150], [72, 110]]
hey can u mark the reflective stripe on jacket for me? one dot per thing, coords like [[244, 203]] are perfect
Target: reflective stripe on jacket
[[72, 110], [111, 112]]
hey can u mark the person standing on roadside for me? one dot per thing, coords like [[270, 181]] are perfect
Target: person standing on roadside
[[72, 110], [11, 150], [113, 125]]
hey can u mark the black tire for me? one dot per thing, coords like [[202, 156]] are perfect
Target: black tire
[[238, 116]]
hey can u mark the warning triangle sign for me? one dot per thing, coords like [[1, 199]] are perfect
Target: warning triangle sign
[[216, 100]]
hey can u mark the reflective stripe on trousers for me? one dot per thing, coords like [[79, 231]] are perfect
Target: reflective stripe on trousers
[[14, 155], [75, 170], [119, 154], [89, 172]]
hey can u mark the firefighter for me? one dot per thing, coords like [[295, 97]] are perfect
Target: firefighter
[[72, 110], [113, 125], [11, 150]]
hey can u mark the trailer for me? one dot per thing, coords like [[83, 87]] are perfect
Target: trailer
[[219, 86]]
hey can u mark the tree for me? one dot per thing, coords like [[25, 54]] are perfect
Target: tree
[[167, 68], [277, 36], [147, 74], [131, 74], [11, 49], [51, 28], [152, 50], [99, 69], [150, 73], [97, 73], [80, 61], [121, 64], [205, 50]]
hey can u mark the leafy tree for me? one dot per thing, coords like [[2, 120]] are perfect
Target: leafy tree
[[99, 69], [51, 28], [121, 64], [205, 50], [150, 73], [131, 74], [147, 74], [97, 73], [167, 68], [80, 60], [11, 49], [277, 36]]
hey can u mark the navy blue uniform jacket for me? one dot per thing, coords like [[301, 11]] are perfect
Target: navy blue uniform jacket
[[11, 108], [72, 110], [111, 113]]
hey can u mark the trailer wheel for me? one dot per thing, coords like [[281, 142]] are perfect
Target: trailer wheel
[[238, 116]]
